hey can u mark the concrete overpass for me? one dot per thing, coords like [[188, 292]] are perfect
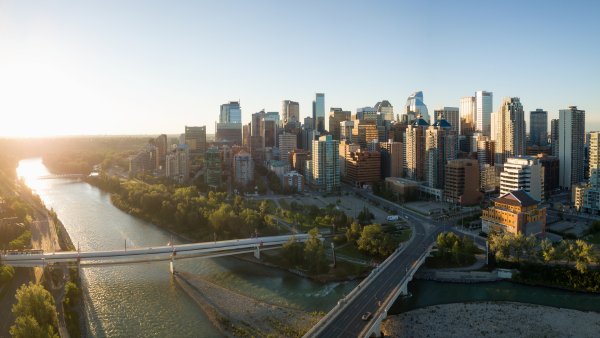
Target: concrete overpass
[[49, 177], [124, 256]]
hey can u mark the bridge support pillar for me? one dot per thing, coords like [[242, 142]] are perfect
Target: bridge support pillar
[[257, 252], [172, 264], [376, 329], [404, 289]]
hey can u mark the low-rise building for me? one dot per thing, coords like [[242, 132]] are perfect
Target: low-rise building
[[401, 185], [515, 212], [293, 180], [279, 167]]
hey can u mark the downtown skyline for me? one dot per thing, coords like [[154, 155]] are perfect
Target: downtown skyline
[[64, 65]]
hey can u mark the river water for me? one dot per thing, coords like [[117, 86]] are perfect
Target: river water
[[144, 300]]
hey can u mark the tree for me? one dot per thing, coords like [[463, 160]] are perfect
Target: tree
[[501, 244], [457, 251], [6, 273], [292, 252], [264, 207], [530, 245], [315, 252], [369, 240], [72, 293], [569, 251], [35, 312], [548, 251], [353, 234], [518, 245], [586, 253]]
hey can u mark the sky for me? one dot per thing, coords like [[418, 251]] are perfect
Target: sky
[[150, 67]]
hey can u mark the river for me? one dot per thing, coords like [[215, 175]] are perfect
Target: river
[[144, 300]]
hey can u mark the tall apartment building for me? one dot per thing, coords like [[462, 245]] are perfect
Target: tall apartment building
[[178, 162], [538, 127], [195, 138], [524, 172], [588, 199], [212, 167], [415, 146], [336, 117], [440, 147], [462, 182], [415, 104], [287, 144], [364, 131], [257, 118], [509, 129], [346, 128], [486, 151], [289, 109], [298, 162], [319, 112], [392, 159], [345, 148], [386, 109], [554, 139], [468, 116], [145, 161], [269, 132], [161, 145], [571, 134], [451, 115], [489, 177], [515, 212], [326, 164], [363, 167], [243, 168]]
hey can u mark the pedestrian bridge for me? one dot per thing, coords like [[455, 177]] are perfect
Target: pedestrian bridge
[[49, 177], [83, 259]]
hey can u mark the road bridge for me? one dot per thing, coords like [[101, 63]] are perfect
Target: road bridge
[[49, 177], [125, 256]]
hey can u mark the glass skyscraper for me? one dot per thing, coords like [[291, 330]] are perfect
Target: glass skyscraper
[[538, 127], [484, 110], [319, 112], [231, 113], [415, 104]]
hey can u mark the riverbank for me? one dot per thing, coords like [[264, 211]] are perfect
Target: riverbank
[[237, 315], [323, 279], [492, 319]]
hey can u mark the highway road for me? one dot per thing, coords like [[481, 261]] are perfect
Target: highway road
[[349, 323]]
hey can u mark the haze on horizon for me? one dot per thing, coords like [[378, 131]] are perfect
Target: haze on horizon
[[150, 67]]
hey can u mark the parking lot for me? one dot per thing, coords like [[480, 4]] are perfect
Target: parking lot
[[426, 207]]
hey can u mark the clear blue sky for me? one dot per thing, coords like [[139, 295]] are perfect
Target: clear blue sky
[[137, 67]]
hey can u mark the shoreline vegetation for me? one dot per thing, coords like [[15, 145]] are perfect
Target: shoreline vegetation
[[492, 319], [236, 315]]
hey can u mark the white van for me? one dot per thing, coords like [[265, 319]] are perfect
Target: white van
[[392, 218]]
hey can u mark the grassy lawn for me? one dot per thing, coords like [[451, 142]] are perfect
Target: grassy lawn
[[405, 235], [595, 239], [252, 204], [436, 262], [284, 204], [351, 250]]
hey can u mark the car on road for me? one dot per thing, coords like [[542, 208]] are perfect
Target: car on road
[[366, 316]]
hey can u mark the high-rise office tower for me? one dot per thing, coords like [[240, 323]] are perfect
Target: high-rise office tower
[[440, 147], [364, 131], [319, 112], [289, 109], [365, 113], [346, 128], [257, 118], [161, 145], [385, 108], [571, 134], [509, 129], [326, 164], [269, 132], [468, 116], [452, 116], [230, 113], [538, 127], [336, 116], [415, 149], [415, 105], [309, 122], [554, 137], [246, 134], [195, 138], [483, 110]]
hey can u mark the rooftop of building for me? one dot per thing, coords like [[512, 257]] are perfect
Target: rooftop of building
[[518, 198], [292, 173], [419, 121], [275, 163]]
